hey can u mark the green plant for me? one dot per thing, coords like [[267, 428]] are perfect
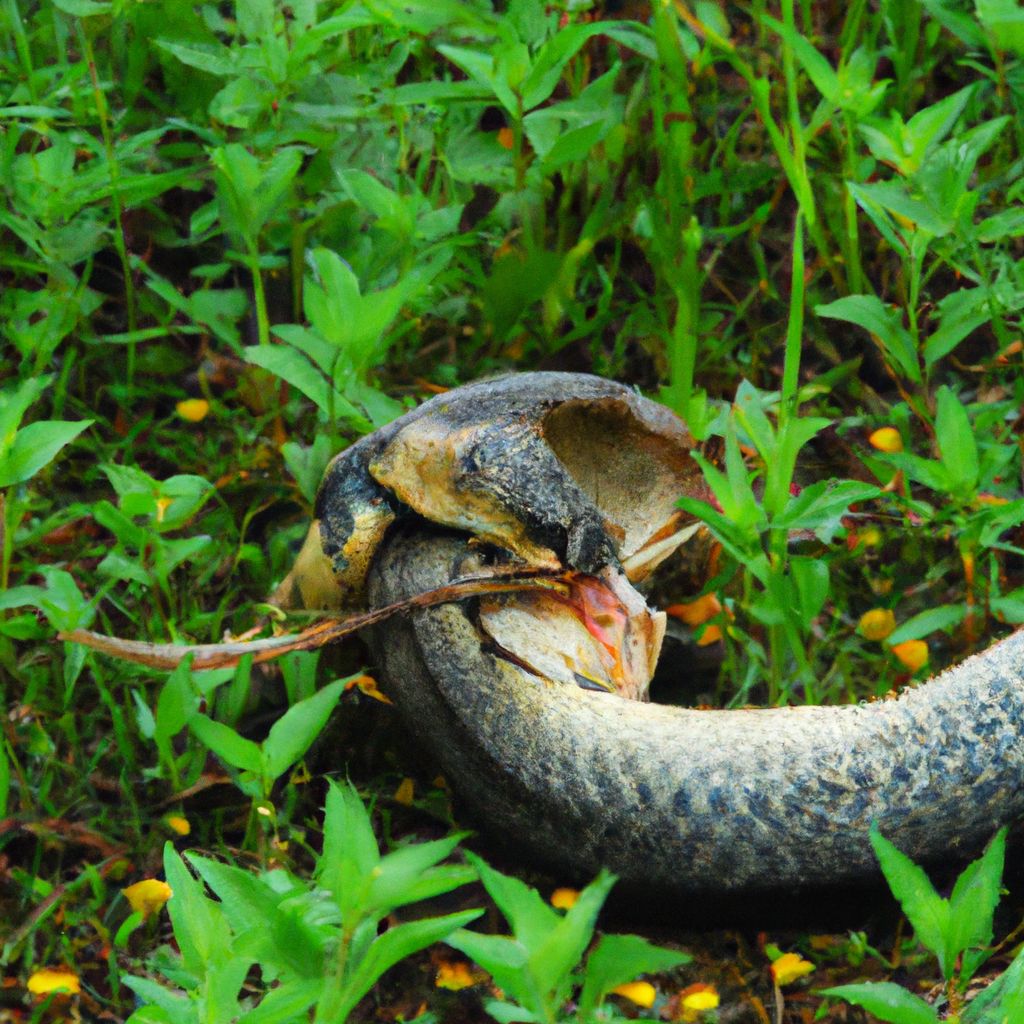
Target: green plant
[[329, 361], [24, 451], [260, 764], [965, 504], [958, 931], [318, 945], [783, 591], [540, 966], [148, 510]]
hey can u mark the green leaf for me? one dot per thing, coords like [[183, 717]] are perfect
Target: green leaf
[[297, 370], [1001, 1002], [227, 744], [887, 1001], [531, 919], [269, 924], [83, 8], [944, 616], [957, 445], [350, 851], [883, 322], [199, 926], [399, 875], [810, 579], [974, 898], [960, 313], [181, 1012], [213, 59], [176, 704], [574, 144], [248, 189], [503, 958], [551, 964], [926, 910], [619, 959], [14, 403], [396, 944], [818, 69], [36, 445], [244, 898], [821, 506], [510, 1013], [285, 1004], [5, 777], [480, 67], [930, 472], [293, 733]]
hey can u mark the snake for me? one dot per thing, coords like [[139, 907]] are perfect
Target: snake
[[534, 704]]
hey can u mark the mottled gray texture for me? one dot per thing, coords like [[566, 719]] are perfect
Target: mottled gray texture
[[698, 801]]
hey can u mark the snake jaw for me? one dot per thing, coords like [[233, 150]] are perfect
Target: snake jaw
[[595, 632]]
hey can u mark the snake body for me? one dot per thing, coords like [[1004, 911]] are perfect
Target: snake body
[[703, 802], [570, 472]]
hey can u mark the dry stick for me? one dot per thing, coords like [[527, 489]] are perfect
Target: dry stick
[[228, 655]]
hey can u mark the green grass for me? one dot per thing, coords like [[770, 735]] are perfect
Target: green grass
[[793, 223]]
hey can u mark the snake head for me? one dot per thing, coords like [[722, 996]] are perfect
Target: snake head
[[596, 632]]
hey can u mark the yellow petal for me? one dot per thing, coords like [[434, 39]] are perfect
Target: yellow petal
[[789, 967], [404, 793], [563, 899], [886, 439], [368, 685], [698, 999], [53, 979], [454, 976], [148, 896], [877, 624], [643, 993], [696, 613], [912, 653], [179, 824], [710, 635], [193, 410], [991, 499]]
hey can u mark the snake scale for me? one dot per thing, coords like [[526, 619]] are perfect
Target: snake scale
[[572, 472]]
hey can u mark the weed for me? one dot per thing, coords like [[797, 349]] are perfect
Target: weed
[[958, 931]]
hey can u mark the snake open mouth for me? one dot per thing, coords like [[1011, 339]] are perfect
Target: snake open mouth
[[592, 631]]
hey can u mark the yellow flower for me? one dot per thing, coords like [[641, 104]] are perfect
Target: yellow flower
[[710, 635], [984, 498], [454, 976], [869, 537], [643, 993], [54, 979], [404, 793], [563, 899], [193, 410], [913, 653], [162, 505], [696, 1000], [148, 896], [789, 967], [877, 624], [179, 824], [696, 613], [886, 439], [368, 685]]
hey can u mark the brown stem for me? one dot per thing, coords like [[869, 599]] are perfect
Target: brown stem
[[227, 655]]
